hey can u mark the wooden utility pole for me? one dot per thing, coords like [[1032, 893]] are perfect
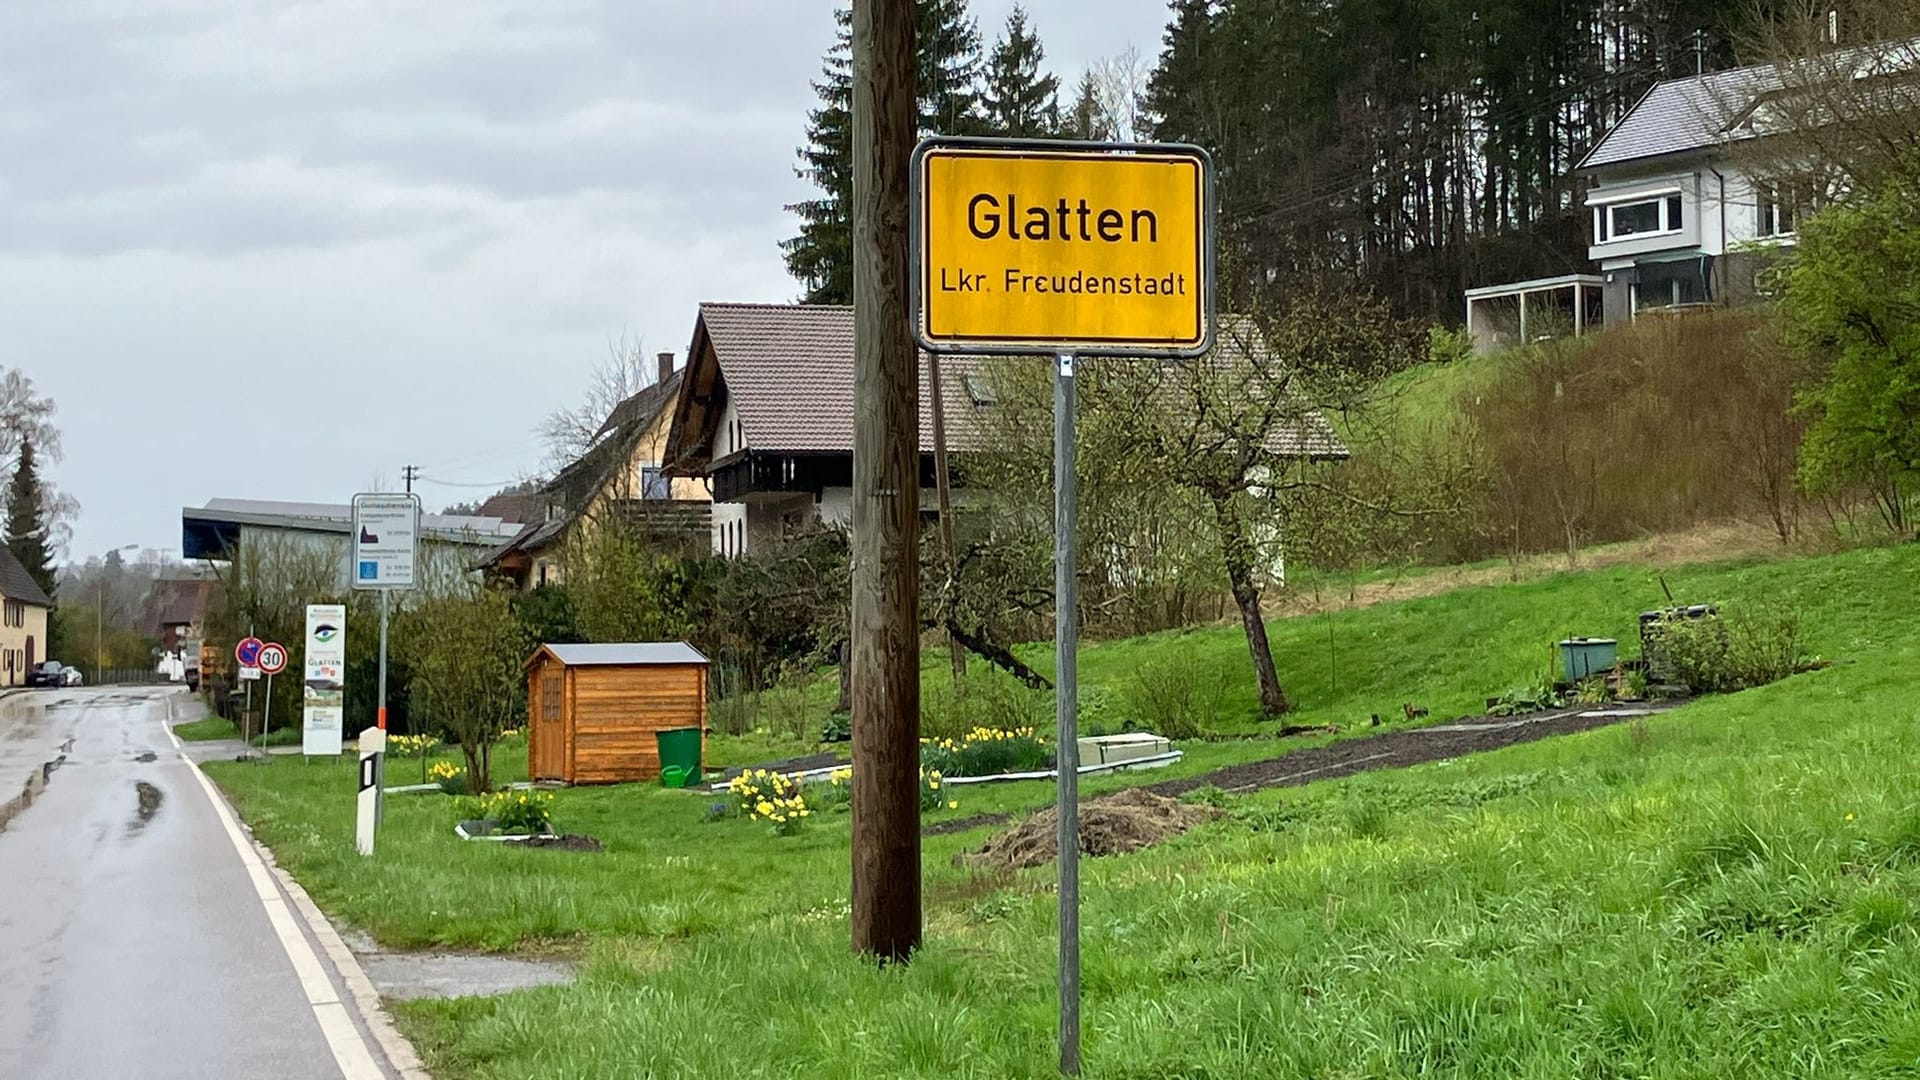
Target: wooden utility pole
[[886, 491]]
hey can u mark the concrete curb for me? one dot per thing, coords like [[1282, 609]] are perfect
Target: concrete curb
[[400, 1054]]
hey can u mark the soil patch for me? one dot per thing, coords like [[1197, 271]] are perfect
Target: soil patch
[[971, 821], [1389, 750], [566, 842], [1398, 749], [1112, 825]]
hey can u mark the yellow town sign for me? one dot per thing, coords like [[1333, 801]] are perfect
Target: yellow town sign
[[1062, 247]]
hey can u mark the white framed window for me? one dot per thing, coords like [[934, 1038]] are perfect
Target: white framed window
[[1635, 216], [1773, 214]]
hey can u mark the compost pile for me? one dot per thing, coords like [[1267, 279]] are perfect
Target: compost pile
[[1114, 825]]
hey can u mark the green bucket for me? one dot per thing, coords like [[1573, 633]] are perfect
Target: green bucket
[[679, 756]]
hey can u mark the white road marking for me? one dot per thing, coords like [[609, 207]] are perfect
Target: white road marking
[[349, 1049]]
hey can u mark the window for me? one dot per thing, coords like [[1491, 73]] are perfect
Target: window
[[980, 389], [550, 696], [654, 484], [1775, 215], [1643, 217]]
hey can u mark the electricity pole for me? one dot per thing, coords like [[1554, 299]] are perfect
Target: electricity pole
[[886, 491], [410, 473]]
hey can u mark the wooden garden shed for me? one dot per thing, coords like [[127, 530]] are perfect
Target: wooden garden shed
[[593, 710]]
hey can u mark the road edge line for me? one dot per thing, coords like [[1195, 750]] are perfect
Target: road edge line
[[398, 1049], [350, 1051]]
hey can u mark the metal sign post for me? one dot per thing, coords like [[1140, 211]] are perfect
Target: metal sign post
[[386, 553], [1025, 247], [272, 661], [1066, 646]]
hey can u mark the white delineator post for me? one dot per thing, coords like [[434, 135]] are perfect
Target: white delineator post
[[373, 751]]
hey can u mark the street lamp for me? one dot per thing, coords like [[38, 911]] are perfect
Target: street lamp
[[100, 618]]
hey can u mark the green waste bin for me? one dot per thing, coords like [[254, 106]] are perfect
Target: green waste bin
[[1586, 657], [679, 756]]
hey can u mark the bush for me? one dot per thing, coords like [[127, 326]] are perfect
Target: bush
[[836, 792], [1173, 696], [989, 699], [838, 728], [527, 813], [763, 795], [1726, 652], [452, 781], [985, 752], [411, 746]]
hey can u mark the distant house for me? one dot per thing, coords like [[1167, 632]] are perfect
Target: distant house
[[176, 615], [224, 528], [23, 621], [621, 478], [766, 419], [1685, 200]]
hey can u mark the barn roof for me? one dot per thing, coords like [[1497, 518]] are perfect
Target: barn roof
[[628, 654]]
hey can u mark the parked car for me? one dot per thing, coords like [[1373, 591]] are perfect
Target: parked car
[[73, 676], [51, 673]]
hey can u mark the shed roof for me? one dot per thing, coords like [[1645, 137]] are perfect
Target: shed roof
[[627, 654]]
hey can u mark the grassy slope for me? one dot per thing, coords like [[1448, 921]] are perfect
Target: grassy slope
[[1723, 891]]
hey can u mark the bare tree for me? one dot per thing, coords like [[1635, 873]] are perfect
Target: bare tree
[[1119, 85], [1836, 107], [626, 371]]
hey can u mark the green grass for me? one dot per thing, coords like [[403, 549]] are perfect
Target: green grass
[[1725, 890], [206, 729]]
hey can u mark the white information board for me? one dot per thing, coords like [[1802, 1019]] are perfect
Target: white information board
[[386, 541], [324, 694]]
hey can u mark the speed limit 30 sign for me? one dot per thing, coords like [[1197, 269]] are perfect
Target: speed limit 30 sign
[[273, 658]]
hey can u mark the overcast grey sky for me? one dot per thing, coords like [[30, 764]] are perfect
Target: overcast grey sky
[[279, 249]]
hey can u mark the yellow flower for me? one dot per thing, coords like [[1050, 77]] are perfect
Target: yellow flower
[[1849, 817], [953, 806]]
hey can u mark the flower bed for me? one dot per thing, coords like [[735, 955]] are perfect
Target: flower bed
[[985, 751]]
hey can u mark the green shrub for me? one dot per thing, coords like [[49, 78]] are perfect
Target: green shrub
[[764, 795], [1730, 651], [1174, 696], [517, 812], [838, 728], [983, 699]]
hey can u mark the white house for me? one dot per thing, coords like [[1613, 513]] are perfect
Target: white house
[[1685, 196], [1677, 214]]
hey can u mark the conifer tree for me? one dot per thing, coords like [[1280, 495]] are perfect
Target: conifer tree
[[1018, 99], [947, 39]]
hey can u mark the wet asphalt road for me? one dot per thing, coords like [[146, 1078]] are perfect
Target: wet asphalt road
[[132, 943]]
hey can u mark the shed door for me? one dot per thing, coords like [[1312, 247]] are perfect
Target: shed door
[[548, 736]]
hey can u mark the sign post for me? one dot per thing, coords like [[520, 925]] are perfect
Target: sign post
[[386, 551], [272, 661], [1025, 247], [373, 751], [324, 692], [247, 654]]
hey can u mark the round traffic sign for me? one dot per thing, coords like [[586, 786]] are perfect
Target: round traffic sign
[[248, 651], [273, 658]]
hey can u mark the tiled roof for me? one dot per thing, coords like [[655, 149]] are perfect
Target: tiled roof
[[524, 507], [1681, 114], [1702, 111], [789, 373], [17, 584]]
